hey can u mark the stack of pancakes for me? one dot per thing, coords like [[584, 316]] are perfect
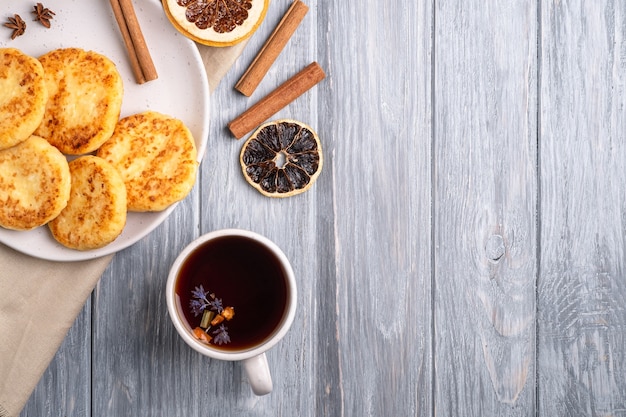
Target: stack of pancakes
[[66, 105]]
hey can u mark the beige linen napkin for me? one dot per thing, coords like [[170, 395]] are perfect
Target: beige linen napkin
[[31, 288]]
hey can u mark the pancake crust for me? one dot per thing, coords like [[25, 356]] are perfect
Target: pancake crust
[[85, 99], [23, 96], [34, 184], [156, 155], [96, 212]]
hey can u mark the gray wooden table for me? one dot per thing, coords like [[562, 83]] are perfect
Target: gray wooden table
[[462, 253]]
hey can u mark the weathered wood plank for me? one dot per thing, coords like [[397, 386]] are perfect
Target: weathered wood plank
[[582, 285], [135, 354], [485, 207], [376, 110]]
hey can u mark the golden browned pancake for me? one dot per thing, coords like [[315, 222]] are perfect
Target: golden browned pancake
[[84, 100], [34, 184], [23, 96], [156, 155], [96, 212]]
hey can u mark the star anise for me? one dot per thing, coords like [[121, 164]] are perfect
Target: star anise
[[43, 14], [17, 24]]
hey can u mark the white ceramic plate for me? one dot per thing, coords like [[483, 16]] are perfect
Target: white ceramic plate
[[181, 91]]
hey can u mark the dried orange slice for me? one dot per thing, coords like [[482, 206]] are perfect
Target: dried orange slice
[[216, 22], [282, 158]]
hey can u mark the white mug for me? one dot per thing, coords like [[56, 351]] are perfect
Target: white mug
[[253, 358]]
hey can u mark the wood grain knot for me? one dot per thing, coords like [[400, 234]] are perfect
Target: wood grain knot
[[494, 249]]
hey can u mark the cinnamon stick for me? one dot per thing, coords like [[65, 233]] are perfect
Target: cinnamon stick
[[132, 56], [277, 99], [272, 48], [138, 53]]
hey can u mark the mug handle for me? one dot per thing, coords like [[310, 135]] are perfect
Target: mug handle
[[258, 372]]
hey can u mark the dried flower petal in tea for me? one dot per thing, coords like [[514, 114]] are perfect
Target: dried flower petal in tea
[[213, 313], [221, 335]]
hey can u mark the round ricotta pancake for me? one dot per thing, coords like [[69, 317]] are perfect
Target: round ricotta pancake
[[85, 93], [34, 184], [156, 155], [23, 96], [96, 212]]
